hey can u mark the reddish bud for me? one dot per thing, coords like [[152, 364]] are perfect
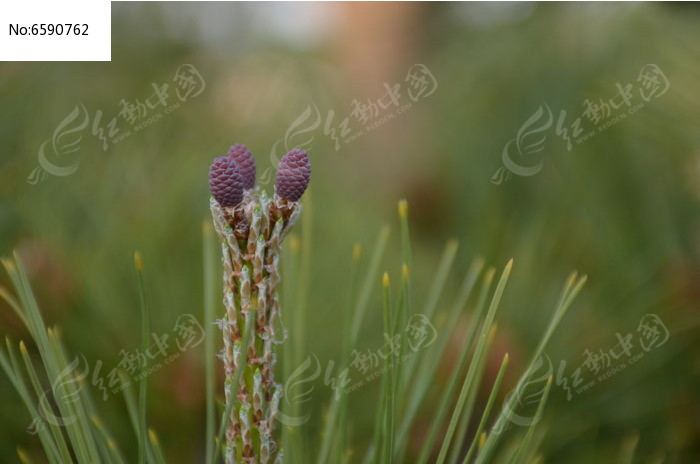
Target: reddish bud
[[225, 182], [246, 164], [293, 175]]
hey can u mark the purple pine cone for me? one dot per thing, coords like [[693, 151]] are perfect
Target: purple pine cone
[[225, 182], [293, 175], [246, 164]]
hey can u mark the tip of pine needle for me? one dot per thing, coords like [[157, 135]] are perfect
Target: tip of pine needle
[[22, 346], [138, 262], [356, 252], [482, 439], [490, 273], [294, 243], [492, 332], [96, 421], [152, 436], [23, 456], [404, 271], [506, 359], [549, 379], [506, 270], [206, 227], [385, 280], [8, 265], [403, 209]]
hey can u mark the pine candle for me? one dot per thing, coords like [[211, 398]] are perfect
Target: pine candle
[[251, 226]]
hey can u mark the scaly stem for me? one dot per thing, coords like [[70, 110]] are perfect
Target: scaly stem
[[251, 234]]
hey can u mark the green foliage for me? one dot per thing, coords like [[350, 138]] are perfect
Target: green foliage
[[621, 207], [80, 435]]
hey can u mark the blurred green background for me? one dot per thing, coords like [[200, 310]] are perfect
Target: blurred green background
[[620, 207]]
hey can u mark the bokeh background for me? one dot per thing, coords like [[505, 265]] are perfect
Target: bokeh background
[[620, 206]]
